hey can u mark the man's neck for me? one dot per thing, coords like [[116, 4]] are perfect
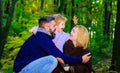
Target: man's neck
[[40, 29]]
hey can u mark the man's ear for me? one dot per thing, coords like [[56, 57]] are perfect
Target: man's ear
[[46, 27]]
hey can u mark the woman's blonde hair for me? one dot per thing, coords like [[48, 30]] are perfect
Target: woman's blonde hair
[[82, 36], [59, 18]]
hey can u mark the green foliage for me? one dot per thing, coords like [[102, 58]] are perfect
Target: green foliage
[[11, 48], [77, 1], [90, 13]]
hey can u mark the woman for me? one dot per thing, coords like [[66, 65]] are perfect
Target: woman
[[77, 45]]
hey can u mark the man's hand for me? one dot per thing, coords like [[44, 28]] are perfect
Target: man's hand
[[86, 58]]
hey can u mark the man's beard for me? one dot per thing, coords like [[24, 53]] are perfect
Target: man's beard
[[52, 34]]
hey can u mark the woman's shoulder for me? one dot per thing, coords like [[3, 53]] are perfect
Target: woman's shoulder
[[82, 51], [69, 43], [68, 46]]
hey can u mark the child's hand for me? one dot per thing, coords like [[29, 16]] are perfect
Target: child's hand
[[32, 31], [60, 60]]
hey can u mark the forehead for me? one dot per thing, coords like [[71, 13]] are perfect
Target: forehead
[[53, 22], [61, 23], [75, 28]]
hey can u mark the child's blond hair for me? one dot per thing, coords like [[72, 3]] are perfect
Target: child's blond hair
[[59, 18]]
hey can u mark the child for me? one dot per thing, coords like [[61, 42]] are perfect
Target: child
[[77, 45], [61, 37]]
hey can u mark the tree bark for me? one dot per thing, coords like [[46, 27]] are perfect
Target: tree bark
[[60, 9], [42, 4], [56, 5], [0, 18], [56, 2], [107, 20], [1, 29], [5, 31], [72, 14], [115, 65], [7, 5]]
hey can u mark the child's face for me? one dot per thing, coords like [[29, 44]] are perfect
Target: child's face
[[73, 34], [60, 27]]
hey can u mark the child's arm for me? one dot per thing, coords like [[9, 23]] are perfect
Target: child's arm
[[34, 29]]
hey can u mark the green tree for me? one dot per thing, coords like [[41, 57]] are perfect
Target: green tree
[[5, 30], [42, 4], [108, 6]]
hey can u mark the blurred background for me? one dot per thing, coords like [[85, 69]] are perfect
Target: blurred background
[[101, 17]]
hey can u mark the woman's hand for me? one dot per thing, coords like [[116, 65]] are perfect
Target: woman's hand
[[60, 60]]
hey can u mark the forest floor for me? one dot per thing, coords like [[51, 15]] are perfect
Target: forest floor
[[103, 66]]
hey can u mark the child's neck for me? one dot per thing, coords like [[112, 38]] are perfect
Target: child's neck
[[59, 30]]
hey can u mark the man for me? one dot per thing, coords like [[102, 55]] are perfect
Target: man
[[37, 49]]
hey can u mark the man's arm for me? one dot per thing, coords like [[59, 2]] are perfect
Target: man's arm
[[48, 46], [85, 58]]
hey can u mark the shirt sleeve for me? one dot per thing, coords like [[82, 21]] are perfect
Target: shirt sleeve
[[35, 28], [48, 46]]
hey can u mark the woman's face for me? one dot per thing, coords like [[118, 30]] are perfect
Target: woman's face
[[73, 34], [60, 27]]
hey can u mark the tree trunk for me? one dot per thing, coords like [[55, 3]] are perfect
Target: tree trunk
[[5, 31], [1, 29], [72, 14], [107, 20], [65, 6], [60, 9], [56, 2], [56, 5], [7, 7], [42, 4], [0, 18], [115, 65]]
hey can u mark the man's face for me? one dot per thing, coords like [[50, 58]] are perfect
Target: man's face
[[52, 26]]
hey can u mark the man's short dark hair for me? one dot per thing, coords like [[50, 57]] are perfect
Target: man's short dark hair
[[45, 19]]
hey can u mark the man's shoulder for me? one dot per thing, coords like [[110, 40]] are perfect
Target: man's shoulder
[[41, 35]]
